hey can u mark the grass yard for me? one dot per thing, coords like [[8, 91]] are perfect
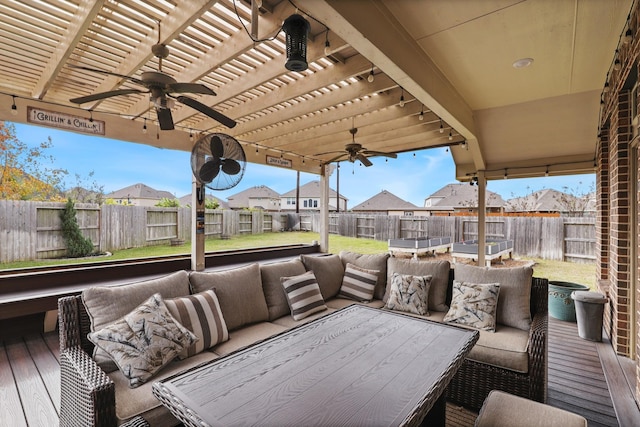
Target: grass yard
[[553, 270]]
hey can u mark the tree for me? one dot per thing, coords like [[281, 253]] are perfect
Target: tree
[[168, 203], [211, 204], [77, 245], [24, 170], [85, 192], [574, 201]]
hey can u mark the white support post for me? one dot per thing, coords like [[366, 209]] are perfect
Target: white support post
[[325, 173], [482, 214]]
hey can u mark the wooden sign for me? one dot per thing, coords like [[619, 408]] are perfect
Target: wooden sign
[[65, 121]]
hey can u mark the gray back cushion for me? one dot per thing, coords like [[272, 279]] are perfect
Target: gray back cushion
[[106, 304], [370, 262], [328, 270], [439, 282], [515, 291], [272, 287], [239, 292]]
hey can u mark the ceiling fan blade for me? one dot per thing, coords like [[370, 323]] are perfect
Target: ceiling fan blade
[[197, 105], [209, 170], [217, 149], [165, 118], [363, 159], [103, 95], [336, 158], [231, 167], [190, 88], [109, 73], [380, 153]]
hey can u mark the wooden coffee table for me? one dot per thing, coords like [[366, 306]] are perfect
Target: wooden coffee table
[[358, 366]]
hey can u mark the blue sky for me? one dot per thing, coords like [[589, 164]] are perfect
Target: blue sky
[[412, 176]]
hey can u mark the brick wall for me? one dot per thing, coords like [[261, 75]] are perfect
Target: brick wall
[[602, 221], [619, 239]]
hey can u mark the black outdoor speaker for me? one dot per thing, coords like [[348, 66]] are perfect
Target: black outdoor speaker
[[297, 30]]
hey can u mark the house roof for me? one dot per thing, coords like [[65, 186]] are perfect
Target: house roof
[[454, 64], [456, 196], [384, 201], [312, 189], [241, 199], [186, 200], [140, 191]]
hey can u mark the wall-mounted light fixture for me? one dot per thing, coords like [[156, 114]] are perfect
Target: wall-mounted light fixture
[[297, 31]]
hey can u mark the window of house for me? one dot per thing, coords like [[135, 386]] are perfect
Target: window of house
[[305, 203], [315, 203]]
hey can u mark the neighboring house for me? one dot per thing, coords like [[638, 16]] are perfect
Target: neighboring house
[[460, 199], [258, 197], [549, 201], [386, 203], [310, 199], [186, 201], [139, 195]]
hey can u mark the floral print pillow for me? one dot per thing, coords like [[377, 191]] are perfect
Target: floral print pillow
[[474, 305], [409, 293], [144, 340]]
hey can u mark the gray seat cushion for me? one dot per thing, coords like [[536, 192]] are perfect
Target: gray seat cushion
[[370, 262], [501, 409], [239, 292], [329, 272], [439, 282], [272, 287]]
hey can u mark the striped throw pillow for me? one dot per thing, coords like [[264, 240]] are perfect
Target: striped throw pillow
[[201, 314], [358, 283], [303, 295]]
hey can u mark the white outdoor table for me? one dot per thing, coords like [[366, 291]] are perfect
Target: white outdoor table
[[358, 366]]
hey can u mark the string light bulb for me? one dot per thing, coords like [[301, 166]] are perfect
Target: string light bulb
[[421, 116], [371, 77], [190, 135], [14, 108], [546, 172], [617, 65], [450, 135], [327, 45], [441, 127], [144, 126], [90, 116], [505, 173], [402, 98]]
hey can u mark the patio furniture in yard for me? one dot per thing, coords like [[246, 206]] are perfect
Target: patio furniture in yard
[[505, 410], [494, 249], [356, 366], [419, 246]]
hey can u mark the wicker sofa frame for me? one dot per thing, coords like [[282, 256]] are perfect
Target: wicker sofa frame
[[88, 394], [474, 381]]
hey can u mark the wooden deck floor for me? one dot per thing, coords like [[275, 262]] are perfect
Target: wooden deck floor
[[584, 377]]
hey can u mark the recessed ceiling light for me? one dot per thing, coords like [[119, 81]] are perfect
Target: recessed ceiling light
[[523, 63]]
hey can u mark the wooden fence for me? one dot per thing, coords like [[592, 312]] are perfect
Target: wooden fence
[[31, 230]]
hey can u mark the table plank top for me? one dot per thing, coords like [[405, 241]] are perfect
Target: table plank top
[[358, 366]]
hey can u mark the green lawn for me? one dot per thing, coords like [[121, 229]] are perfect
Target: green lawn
[[553, 270]]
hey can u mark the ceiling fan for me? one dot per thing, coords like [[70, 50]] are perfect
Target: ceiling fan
[[161, 88], [355, 151]]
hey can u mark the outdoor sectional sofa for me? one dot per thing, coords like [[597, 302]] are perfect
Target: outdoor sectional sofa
[[254, 305]]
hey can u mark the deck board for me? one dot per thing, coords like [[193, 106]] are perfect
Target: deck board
[[38, 407], [30, 383], [11, 412]]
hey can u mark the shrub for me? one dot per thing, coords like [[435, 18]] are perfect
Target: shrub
[[77, 245], [168, 203]]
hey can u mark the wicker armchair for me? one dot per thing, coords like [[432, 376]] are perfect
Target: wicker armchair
[[474, 381], [87, 393]]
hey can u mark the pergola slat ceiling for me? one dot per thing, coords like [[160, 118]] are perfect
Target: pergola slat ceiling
[[295, 114]]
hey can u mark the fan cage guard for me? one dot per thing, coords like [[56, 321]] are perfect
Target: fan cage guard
[[232, 149]]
